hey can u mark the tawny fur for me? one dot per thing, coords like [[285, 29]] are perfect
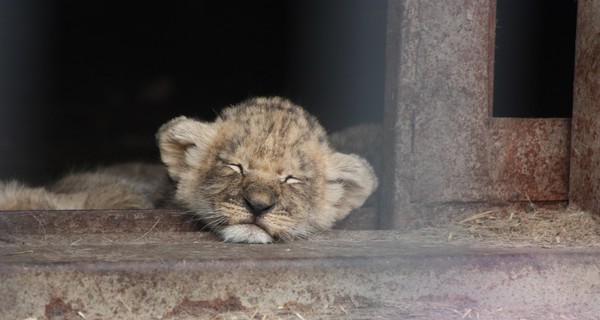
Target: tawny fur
[[365, 140], [267, 151], [262, 171], [16, 196], [124, 186]]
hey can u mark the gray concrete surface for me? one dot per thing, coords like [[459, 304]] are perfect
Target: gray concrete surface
[[367, 274], [585, 150]]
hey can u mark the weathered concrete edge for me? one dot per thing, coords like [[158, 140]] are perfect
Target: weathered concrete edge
[[525, 279]]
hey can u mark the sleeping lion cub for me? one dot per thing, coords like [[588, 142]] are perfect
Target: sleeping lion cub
[[262, 171]]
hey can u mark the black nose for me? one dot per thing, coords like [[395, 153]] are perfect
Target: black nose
[[258, 207], [259, 198]]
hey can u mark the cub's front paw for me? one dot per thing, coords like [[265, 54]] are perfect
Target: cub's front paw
[[246, 233]]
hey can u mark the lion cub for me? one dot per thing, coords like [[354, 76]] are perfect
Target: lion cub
[[262, 171]]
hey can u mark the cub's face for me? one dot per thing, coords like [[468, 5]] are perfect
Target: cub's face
[[263, 171]]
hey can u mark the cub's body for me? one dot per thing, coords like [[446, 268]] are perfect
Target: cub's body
[[262, 171]]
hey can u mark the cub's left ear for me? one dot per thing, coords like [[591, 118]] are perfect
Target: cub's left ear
[[351, 180]]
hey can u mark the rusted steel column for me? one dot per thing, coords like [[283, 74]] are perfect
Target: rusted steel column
[[585, 151], [445, 147]]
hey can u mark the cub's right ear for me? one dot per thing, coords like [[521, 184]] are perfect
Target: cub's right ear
[[183, 142]]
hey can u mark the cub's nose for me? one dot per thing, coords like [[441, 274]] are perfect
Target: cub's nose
[[258, 208], [259, 199]]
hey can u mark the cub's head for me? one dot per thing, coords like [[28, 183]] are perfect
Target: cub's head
[[262, 171]]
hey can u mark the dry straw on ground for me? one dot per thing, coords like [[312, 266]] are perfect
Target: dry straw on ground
[[567, 227]]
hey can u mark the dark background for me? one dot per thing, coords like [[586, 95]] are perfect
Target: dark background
[[534, 58], [84, 83]]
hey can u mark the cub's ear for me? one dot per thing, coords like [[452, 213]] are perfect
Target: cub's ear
[[351, 180], [183, 142]]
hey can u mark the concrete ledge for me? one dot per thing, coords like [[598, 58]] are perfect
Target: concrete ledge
[[345, 275]]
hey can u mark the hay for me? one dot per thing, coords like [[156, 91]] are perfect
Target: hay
[[407, 309], [540, 227]]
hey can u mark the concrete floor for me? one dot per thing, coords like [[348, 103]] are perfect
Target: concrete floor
[[163, 273]]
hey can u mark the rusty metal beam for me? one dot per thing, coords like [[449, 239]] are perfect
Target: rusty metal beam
[[446, 146]]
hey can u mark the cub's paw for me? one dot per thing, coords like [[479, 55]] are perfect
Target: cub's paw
[[245, 233]]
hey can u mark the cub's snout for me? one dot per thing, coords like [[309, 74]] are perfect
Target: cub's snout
[[259, 198]]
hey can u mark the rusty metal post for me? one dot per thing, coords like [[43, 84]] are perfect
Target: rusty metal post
[[446, 149], [585, 151]]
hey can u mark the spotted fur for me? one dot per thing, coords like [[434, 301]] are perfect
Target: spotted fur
[[262, 171]]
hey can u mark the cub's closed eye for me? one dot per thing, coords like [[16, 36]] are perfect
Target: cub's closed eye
[[236, 167], [291, 180]]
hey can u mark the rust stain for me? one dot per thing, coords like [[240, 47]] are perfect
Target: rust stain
[[528, 159], [58, 309]]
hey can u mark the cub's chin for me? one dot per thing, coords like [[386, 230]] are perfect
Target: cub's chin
[[247, 233]]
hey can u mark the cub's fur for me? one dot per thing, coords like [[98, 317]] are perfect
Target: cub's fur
[[124, 186], [262, 171]]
